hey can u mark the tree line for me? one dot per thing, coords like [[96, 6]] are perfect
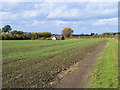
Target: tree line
[[67, 32], [95, 35], [9, 34]]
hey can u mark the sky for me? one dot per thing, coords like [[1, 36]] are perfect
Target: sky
[[82, 17]]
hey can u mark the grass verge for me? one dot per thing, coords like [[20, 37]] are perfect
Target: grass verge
[[106, 72]]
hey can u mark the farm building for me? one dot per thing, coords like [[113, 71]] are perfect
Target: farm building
[[58, 37], [53, 38]]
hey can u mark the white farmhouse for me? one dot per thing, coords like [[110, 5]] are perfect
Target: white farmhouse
[[53, 38]]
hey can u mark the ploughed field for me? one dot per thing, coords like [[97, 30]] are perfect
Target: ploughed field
[[35, 63]]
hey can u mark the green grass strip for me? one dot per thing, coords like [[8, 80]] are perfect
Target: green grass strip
[[106, 72]]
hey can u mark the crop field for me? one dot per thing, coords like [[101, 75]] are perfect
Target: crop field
[[106, 72], [35, 63]]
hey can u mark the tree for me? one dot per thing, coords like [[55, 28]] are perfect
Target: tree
[[67, 31], [28, 35], [14, 32], [6, 28], [95, 36], [82, 34], [17, 32], [92, 34]]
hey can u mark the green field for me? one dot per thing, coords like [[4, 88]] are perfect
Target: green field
[[35, 63], [106, 72]]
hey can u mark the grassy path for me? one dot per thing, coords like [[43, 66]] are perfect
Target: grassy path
[[106, 72]]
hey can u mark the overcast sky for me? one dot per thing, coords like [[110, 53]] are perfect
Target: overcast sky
[[82, 17]]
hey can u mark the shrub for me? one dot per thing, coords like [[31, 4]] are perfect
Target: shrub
[[71, 36], [48, 38], [32, 38], [39, 39], [66, 38], [43, 38]]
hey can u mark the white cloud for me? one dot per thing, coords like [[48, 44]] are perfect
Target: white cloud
[[109, 11], [40, 10], [57, 12], [36, 23], [74, 23], [53, 10], [58, 23], [63, 12], [9, 16], [55, 16], [13, 0], [46, 8], [46, 5], [60, 0], [111, 21], [30, 14], [10, 6], [92, 10], [98, 9]]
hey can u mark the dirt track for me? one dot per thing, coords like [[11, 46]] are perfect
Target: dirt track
[[77, 76]]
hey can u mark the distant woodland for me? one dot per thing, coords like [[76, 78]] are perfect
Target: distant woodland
[[8, 34]]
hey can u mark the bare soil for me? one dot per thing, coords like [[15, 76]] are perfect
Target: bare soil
[[41, 71], [77, 76]]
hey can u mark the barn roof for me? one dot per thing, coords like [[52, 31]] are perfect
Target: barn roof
[[58, 36]]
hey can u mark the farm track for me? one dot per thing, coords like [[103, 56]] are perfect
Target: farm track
[[77, 75]]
